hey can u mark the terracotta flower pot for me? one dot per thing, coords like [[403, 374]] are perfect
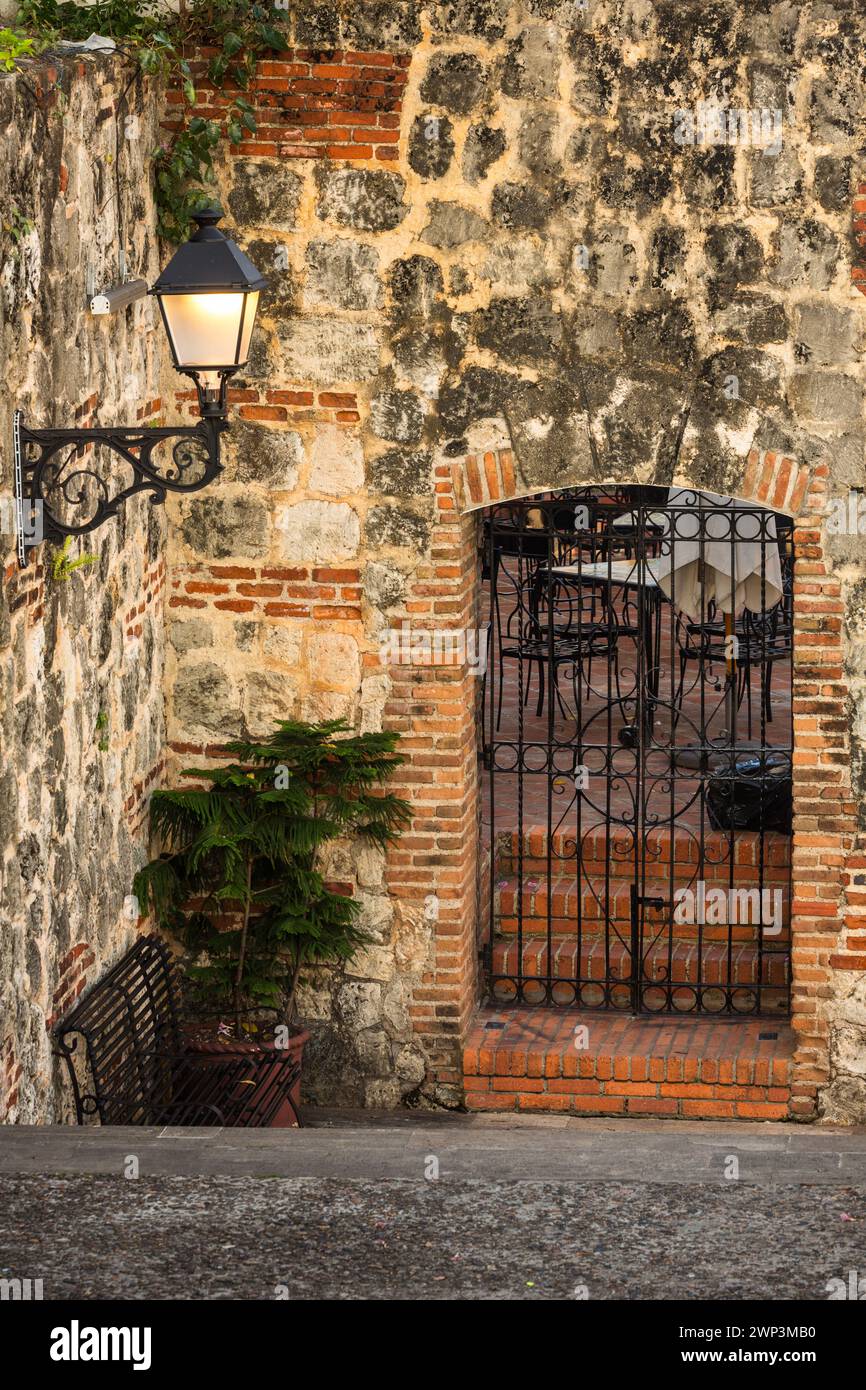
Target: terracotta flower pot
[[206, 1048]]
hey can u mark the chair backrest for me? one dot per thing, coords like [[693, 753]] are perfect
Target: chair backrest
[[130, 1021], [760, 628]]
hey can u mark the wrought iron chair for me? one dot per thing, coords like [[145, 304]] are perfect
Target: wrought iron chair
[[762, 639], [564, 627], [554, 623]]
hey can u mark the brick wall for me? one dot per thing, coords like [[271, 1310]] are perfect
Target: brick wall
[[828, 839], [334, 105], [433, 705]]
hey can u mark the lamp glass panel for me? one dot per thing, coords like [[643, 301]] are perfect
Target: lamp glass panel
[[249, 321], [204, 328]]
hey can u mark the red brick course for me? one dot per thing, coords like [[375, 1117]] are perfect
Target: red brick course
[[11, 1072], [313, 105], [319, 592], [286, 405], [72, 976]]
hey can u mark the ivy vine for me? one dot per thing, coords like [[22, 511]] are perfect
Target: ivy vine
[[161, 41]]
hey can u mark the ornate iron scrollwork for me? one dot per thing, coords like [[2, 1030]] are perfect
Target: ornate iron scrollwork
[[61, 492]]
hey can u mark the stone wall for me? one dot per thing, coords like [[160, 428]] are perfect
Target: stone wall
[[497, 263], [81, 661]]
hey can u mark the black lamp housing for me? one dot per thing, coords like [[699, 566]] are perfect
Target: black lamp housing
[[208, 297]]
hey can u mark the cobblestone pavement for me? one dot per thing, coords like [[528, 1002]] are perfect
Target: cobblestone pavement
[[646, 1212], [210, 1238]]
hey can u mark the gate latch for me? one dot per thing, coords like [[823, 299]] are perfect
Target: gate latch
[[653, 902]]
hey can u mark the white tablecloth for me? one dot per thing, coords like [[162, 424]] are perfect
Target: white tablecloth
[[617, 572], [717, 553]]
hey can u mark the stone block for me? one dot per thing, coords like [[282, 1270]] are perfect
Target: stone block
[[455, 81], [219, 525], [615, 261], [734, 254], [372, 963], [483, 146], [397, 526], [532, 63], [188, 634], [336, 461], [283, 643], [344, 274], [808, 255], [775, 180], [390, 25], [334, 660], [384, 583], [401, 472], [480, 19], [826, 396], [832, 113], [321, 706], [264, 454], [269, 696], [321, 533], [536, 143], [416, 288], [328, 351], [374, 1057], [270, 257], [750, 317], [833, 182], [431, 145], [515, 264], [205, 701], [451, 224], [519, 330], [824, 333], [370, 200], [522, 206], [264, 193], [397, 416]]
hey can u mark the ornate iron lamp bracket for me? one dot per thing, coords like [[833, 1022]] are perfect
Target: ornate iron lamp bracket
[[61, 490]]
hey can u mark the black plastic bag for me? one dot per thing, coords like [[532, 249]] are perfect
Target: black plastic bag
[[755, 792]]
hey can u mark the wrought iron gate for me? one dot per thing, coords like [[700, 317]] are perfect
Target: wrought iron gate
[[637, 741]]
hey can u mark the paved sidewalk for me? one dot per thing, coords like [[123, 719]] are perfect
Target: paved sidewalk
[[352, 1207], [365, 1145]]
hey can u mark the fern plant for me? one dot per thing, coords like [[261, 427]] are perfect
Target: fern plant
[[239, 879], [63, 566]]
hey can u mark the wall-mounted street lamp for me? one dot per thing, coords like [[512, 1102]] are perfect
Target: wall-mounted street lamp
[[208, 295]]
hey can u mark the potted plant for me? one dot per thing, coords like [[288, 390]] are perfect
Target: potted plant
[[239, 881]]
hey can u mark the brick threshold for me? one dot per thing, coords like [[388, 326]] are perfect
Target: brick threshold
[[680, 1068]]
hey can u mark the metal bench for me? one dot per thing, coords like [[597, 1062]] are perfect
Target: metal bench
[[138, 1065]]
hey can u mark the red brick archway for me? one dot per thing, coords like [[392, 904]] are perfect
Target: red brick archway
[[434, 706]]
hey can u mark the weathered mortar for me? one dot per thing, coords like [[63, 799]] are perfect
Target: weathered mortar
[[82, 669], [543, 266]]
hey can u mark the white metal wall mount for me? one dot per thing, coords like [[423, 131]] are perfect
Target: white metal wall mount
[[118, 297]]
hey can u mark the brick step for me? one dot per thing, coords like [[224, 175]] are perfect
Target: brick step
[[687, 852], [562, 902], [591, 962], [681, 1068]]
